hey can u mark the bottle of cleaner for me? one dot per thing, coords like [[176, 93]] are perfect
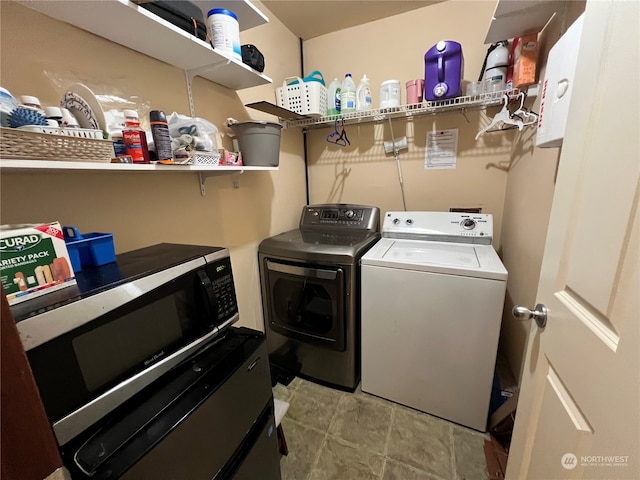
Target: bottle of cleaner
[[363, 95], [348, 95], [333, 98]]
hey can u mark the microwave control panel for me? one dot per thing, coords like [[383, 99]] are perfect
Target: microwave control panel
[[223, 288]]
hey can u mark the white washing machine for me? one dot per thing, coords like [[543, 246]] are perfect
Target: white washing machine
[[432, 297]]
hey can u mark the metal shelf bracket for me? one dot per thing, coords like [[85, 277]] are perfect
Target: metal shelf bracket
[[202, 178]]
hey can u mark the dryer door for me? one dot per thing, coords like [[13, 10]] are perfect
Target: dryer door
[[306, 302]]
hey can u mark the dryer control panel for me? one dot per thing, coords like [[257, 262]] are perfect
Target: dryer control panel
[[340, 216], [439, 226]]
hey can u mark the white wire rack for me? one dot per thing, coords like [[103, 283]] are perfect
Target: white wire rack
[[462, 104]]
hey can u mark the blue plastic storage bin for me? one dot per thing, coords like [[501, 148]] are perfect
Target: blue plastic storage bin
[[89, 249]]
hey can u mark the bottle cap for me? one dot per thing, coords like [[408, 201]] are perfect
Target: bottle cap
[[52, 112], [130, 113], [222, 11], [157, 116], [29, 100]]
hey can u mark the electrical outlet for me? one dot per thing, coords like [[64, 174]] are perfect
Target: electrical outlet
[[235, 184], [401, 144]]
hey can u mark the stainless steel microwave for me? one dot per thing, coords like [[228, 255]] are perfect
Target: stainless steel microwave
[[95, 345]]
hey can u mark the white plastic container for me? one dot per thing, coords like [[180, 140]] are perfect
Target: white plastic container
[[348, 95], [363, 95], [333, 97], [558, 86], [225, 31], [390, 94]]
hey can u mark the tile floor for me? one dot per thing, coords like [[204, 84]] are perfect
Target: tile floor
[[335, 435]]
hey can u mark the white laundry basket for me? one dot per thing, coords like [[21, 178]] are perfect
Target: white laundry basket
[[303, 97]]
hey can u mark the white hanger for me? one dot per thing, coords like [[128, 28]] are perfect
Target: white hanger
[[528, 117], [503, 116]]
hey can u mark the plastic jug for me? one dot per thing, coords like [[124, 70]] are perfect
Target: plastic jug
[[363, 95], [390, 94], [443, 70], [348, 95], [333, 98], [415, 88]]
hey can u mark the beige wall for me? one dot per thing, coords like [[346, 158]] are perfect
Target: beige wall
[[394, 48], [528, 200], [147, 208], [502, 173]]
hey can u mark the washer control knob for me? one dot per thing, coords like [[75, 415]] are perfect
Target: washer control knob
[[468, 224], [396, 221], [350, 214], [409, 221]]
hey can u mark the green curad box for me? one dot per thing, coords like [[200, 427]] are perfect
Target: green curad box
[[33, 261]]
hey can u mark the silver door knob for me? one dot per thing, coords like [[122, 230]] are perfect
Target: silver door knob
[[539, 314]]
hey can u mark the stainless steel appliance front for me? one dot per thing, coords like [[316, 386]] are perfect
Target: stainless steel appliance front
[[310, 280], [93, 347]]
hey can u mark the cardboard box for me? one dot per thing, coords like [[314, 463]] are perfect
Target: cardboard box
[[524, 61], [33, 261]]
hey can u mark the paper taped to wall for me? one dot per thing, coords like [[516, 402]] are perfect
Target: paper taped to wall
[[442, 149]]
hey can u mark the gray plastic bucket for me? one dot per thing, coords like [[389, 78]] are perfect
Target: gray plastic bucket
[[259, 142]]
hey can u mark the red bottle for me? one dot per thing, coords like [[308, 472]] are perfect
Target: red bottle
[[135, 140]]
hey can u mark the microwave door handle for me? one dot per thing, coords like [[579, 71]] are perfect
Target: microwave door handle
[[207, 289]]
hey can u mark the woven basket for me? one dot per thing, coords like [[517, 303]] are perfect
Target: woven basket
[[70, 146]]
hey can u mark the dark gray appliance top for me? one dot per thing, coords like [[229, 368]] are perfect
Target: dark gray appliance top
[[329, 233]]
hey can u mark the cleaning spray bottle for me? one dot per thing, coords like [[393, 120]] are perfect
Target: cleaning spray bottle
[[363, 95]]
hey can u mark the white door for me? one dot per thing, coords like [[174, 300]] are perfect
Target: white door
[[578, 413]]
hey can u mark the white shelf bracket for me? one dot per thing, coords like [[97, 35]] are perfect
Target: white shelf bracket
[[202, 177], [194, 72]]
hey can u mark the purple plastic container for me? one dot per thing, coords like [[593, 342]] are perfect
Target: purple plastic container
[[443, 70]]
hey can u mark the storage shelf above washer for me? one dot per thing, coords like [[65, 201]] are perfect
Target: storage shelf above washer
[[461, 104], [132, 26]]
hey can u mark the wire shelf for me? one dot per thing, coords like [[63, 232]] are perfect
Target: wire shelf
[[464, 103]]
